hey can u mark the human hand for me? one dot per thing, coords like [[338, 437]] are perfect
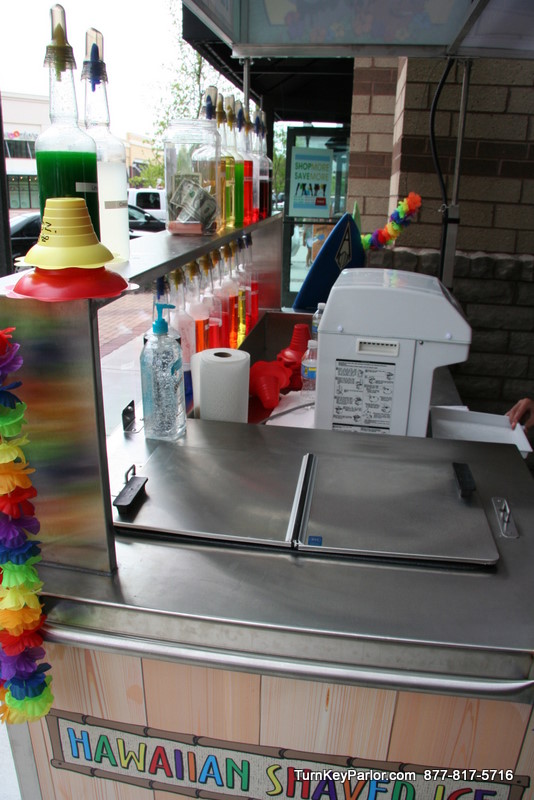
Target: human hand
[[523, 413]]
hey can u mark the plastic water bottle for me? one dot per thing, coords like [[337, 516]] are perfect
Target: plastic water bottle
[[308, 372], [162, 383], [316, 320]]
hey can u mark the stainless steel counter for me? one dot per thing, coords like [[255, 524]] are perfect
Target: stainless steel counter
[[403, 618]]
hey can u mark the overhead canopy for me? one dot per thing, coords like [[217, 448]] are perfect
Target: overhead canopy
[[301, 51], [293, 89]]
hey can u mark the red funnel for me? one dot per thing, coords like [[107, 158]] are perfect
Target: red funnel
[[292, 355], [300, 338], [71, 283], [266, 380]]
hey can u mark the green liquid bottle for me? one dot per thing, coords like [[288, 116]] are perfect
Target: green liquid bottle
[[239, 170], [68, 174], [239, 183], [65, 155]]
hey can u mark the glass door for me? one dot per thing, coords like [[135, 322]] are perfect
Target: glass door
[[317, 171]]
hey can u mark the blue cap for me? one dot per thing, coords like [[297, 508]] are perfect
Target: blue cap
[[159, 326]]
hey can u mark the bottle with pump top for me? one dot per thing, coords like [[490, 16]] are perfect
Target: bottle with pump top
[[65, 155], [162, 384], [206, 159], [239, 170], [185, 325], [110, 151], [263, 161], [248, 167], [161, 296], [229, 164]]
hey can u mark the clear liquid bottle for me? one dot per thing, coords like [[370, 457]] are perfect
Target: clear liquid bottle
[[229, 164], [206, 160], [180, 320], [263, 162], [269, 162], [65, 155], [162, 384], [308, 372], [185, 325], [256, 160], [110, 151], [316, 319]]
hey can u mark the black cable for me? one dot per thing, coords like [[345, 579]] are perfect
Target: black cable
[[433, 108]]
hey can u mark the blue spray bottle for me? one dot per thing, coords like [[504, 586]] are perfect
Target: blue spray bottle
[[162, 382]]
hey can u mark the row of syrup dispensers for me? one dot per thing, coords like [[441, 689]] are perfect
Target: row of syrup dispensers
[[213, 303]]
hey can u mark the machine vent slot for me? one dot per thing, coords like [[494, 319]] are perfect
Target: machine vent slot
[[377, 347]]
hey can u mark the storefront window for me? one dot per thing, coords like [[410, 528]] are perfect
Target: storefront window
[[317, 168], [34, 192], [19, 148], [23, 191]]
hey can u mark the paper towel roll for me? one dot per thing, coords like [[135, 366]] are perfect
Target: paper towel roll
[[220, 384]]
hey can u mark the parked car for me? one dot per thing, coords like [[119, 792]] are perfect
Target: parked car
[[25, 228], [142, 221], [152, 200], [24, 231]]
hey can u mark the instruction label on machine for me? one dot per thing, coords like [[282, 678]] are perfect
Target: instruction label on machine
[[363, 396]]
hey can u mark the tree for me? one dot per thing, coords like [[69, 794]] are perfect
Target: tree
[[151, 173], [193, 74]]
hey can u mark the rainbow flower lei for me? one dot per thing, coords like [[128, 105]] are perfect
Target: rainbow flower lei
[[25, 693], [401, 218]]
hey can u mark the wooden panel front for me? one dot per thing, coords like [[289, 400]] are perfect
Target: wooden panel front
[[457, 731], [274, 712], [202, 701], [325, 717]]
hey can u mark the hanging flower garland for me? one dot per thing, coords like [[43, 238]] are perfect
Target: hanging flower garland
[[25, 693], [401, 218]]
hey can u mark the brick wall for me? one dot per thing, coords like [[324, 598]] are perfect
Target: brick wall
[[371, 139], [496, 292], [494, 268], [496, 188]]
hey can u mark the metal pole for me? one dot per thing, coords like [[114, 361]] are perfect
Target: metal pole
[[246, 84], [453, 216], [6, 260], [461, 129]]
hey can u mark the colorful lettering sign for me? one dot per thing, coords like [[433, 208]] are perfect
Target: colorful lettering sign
[[200, 767]]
